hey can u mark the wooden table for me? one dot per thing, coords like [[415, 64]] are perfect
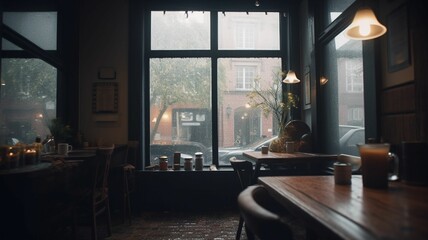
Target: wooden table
[[26, 169], [353, 211], [289, 159]]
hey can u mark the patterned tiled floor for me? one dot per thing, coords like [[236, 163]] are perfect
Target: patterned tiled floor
[[178, 226]]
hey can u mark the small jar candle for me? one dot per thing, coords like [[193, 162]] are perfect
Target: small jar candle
[[163, 163]]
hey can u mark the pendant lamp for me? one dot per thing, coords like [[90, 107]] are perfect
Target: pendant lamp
[[365, 26], [291, 77]]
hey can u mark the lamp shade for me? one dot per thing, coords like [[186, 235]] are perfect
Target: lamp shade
[[365, 26], [291, 77]]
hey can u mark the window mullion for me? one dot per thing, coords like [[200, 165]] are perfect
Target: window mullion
[[214, 88]]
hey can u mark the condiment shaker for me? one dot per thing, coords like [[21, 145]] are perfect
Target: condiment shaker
[[199, 161], [188, 165]]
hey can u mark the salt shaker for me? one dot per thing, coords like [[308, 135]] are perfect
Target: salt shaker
[[199, 161], [177, 156], [342, 173], [188, 165]]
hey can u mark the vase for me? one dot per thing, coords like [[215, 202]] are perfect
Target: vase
[[278, 144], [295, 131]]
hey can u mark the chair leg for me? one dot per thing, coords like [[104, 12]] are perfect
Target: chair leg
[[108, 217], [126, 211], [94, 224], [240, 225], [250, 235]]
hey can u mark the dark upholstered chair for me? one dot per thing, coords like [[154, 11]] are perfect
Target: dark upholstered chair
[[244, 171], [262, 215]]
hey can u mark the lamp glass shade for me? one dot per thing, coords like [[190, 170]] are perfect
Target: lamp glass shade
[[291, 77], [365, 26]]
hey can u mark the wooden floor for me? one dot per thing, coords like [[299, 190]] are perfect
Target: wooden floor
[[172, 225]]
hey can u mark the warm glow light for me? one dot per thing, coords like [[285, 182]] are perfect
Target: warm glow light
[[291, 78], [154, 119], [247, 105], [365, 26], [364, 29], [323, 80]]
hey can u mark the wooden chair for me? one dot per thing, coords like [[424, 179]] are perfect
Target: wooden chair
[[96, 202], [128, 180], [244, 171], [262, 215]]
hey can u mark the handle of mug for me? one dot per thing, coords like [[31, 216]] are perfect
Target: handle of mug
[[394, 160]]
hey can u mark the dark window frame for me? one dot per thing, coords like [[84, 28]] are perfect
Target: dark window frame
[[139, 127]]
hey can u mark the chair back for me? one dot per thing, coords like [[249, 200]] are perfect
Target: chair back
[[132, 152], [244, 171], [101, 171], [262, 213]]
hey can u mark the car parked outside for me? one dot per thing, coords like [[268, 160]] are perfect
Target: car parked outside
[[350, 136], [226, 153]]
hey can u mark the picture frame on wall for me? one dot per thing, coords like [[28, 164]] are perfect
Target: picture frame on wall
[[398, 40], [105, 97]]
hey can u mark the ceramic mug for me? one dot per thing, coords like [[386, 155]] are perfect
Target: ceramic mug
[[64, 148], [376, 161]]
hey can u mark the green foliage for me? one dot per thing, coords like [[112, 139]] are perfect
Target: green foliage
[[271, 100], [60, 131]]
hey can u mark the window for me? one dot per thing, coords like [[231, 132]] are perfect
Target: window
[[245, 35], [354, 75], [334, 9], [245, 76], [355, 114], [342, 123], [197, 88], [28, 85]]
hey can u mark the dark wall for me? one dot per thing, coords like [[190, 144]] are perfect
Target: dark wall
[[404, 106], [187, 190]]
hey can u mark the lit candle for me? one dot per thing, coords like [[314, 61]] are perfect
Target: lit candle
[[30, 156]]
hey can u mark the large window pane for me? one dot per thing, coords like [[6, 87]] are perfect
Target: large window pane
[[38, 27], [242, 128], [248, 31], [27, 99], [345, 106], [180, 30], [180, 107], [181, 94]]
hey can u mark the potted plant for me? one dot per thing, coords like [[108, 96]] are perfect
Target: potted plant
[[61, 132], [273, 100]]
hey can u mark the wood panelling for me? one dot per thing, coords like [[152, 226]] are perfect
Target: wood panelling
[[399, 100], [399, 127], [405, 107]]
